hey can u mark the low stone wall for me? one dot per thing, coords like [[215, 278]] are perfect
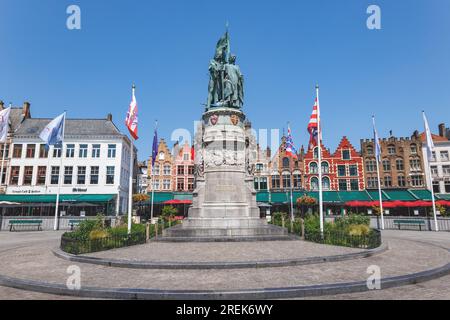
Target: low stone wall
[[48, 222]]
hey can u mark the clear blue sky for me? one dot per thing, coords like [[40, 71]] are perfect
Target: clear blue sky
[[283, 47]]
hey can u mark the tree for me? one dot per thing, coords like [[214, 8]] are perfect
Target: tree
[[140, 197], [168, 214]]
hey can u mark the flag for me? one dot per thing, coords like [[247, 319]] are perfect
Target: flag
[[155, 148], [290, 149], [429, 137], [192, 152], [131, 120], [313, 126], [376, 140], [53, 133], [4, 124]]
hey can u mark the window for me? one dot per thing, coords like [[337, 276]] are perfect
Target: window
[[345, 154], [433, 156], [416, 181], [401, 181], [313, 168], [286, 180], [15, 171], [27, 176], [263, 183], [111, 150], [276, 182], [83, 151], [444, 156], [415, 164], [31, 150], [166, 170], [180, 184], [391, 150], [388, 182], [70, 151], [94, 175], [434, 171], [4, 175], [447, 187], [297, 181], [81, 175], [190, 184], [343, 185], [372, 183], [286, 162], [68, 172], [156, 169], [256, 183], [110, 174], [446, 170], [369, 150], [161, 156], [314, 184], [316, 153], [186, 156], [413, 148], [371, 166], [6, 148], [325, 167], [354, 184], [386, 165], [400, 165], [353, 169], [56, 152], [190, 170], [54, 177], [180, 170], [41, 177], [436, 187], [156, 185], [17, 151], [43, 151], [166, 184], [259, 167], [341, 171], [95, 151], [326, 183]]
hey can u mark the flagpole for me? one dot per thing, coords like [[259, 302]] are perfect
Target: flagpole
[[130, 185], [153, 179], [430, 177], [55, 226], [378, 176], [319, 143]]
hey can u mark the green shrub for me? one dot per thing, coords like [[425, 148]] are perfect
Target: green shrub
[[342, 223], [98, 234], [358, 230]]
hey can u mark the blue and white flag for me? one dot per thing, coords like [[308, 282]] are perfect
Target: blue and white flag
[[376, 141], [53, 133], [429, 137], [4, 124]]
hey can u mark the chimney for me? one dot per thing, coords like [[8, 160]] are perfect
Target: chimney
[[109, 117], [26, 112], [268, 152], [442, 130], [2, 105]]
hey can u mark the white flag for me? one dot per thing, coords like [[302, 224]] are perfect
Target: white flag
[[4, 124], [53, 133], [429, 137]]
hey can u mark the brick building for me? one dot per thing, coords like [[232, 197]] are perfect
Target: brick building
[[162, 169], [262, 168], [286, 171], [402, 163], [342, 170], [183, 169]]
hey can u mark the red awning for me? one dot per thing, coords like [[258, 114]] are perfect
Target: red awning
[[176, 201]]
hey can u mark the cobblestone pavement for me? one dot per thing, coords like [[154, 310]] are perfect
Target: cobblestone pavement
[[34, 260]]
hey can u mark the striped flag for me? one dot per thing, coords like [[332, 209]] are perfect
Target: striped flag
[[429, 137], [131, 120], [313, 126], [376, 141]]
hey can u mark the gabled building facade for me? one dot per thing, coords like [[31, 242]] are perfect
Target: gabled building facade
[[160, 176]]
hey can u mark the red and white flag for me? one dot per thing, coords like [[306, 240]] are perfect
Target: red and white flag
[[132, 117], [313, 126]]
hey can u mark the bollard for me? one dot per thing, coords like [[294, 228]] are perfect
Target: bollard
[[147, 232]]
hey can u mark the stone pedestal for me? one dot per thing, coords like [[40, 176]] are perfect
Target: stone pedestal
[[224, 205]]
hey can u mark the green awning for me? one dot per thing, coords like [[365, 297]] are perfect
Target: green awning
[[262, 196], [375, 195], [421, 194], [182, 196], [346, 196], [162, 196], [280, 197], [38, 198], [399, 195], [443, 196], [328, 196]]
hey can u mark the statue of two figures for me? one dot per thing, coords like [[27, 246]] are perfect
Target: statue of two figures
[[226, 83]]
